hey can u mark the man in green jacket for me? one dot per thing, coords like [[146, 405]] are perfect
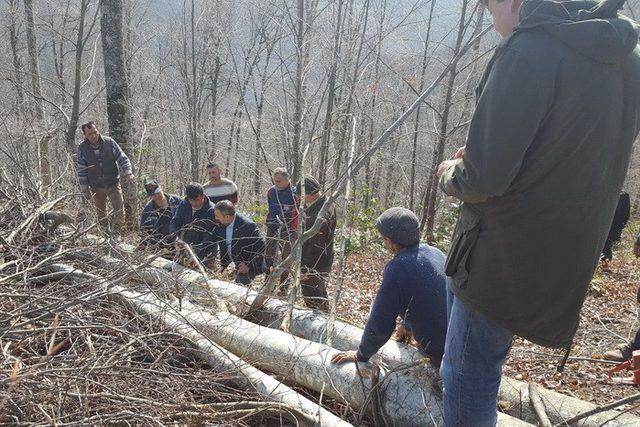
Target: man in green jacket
[[317, 252], [557, 111]]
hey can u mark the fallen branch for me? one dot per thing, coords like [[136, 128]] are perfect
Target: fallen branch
[[538, 405], [601, 409]]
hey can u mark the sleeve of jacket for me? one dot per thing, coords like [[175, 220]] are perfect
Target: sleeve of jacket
[[123, 161], [81, 169], [177, 221], [210, 243], [386, 307], [274, 208], [253, 251], [513, 104], [149, 218]]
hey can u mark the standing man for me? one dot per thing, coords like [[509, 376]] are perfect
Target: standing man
[[545, 159], [195, 224], [620, 219], [240, 243], [219, 188], [156, 215], [282, 218], [317, 252], [99, 162], [625, 351], [413, 287]]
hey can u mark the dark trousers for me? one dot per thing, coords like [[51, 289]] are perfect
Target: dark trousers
[[314, 290], [607, 251], [635, 345], [278, 239]]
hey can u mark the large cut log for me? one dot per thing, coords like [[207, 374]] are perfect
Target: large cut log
[[403, 399], [311, 325], [303, 410]]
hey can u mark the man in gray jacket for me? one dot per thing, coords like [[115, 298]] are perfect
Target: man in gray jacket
[[558, 109], [99, 162]]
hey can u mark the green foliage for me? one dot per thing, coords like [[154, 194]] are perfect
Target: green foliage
[[362, 234], [445, 223], [257, 211]]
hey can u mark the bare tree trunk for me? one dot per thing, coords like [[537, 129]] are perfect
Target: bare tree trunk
[[15, 56], [429, 208], [374, 98], [414, 148], [299, 95], [44, 165], [328, 118], [118, 96], [80, 44], [354, 80]]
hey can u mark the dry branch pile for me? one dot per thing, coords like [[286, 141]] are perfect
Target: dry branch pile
[[73, 356]]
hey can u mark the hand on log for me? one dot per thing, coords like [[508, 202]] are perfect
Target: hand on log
[[344, 357]]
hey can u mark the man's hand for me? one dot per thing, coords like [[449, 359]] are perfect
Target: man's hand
[[460, 152], [404, 335], [243, 268], [210, 264], [129, 177], [444, 166], [636, 250], [344, 357]]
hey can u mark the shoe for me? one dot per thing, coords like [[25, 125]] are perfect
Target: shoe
[[621, 354]]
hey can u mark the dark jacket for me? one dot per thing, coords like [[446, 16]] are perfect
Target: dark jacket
[[196, 228], [101, 170], [282, 208], [317, 252], [156, 221], [247, 245], [413, 287], [548, 147]]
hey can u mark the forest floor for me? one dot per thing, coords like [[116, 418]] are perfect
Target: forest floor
[[609, 316]]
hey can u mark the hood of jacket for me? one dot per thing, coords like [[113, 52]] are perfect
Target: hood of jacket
[[594, 29]]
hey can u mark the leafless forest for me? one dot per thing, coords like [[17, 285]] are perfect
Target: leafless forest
[[371, 92], [251, 85]]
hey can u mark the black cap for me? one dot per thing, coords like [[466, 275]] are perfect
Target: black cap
[[311, 186], [152, 187]]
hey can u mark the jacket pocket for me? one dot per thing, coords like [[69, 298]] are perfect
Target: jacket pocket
[[464, 239]]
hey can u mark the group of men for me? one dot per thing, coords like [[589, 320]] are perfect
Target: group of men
[[545, 159], [204, 225]]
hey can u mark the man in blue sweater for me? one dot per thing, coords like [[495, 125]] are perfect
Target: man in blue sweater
[[413, 287], [194, 223], [282, 218], [156, 215]]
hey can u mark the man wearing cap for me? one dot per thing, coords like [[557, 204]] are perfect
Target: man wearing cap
[[240, 242], [317, 252], [156, 215], [194, 223], [413, 287], [99, 162]]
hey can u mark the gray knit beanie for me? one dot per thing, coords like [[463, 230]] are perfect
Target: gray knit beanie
[[400, 225]]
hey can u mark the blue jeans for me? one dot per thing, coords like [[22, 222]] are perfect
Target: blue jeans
[[474, 353]]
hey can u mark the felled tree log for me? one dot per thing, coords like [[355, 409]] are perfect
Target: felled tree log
[[301, 409], [311, 325], [405, 399]]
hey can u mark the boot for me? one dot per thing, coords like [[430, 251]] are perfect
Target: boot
[[620, 354]]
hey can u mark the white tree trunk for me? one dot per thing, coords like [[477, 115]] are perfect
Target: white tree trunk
[[311, 325], [213, 354]]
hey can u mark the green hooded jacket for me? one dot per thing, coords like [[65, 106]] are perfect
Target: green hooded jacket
[[558, 109]]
